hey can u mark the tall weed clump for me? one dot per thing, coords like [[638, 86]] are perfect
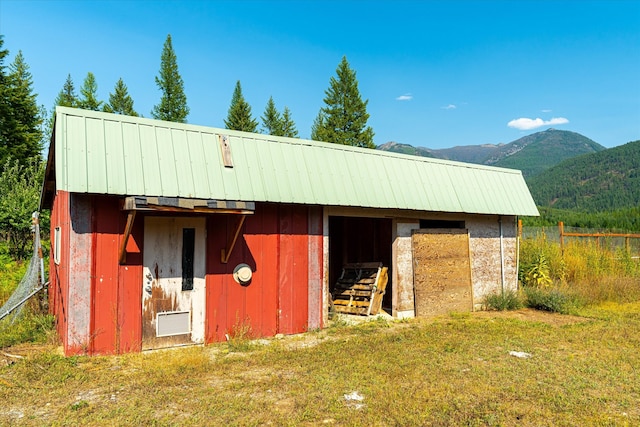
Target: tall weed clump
[[508, 300], [583, 273]]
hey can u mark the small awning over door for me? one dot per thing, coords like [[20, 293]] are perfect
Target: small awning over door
[[134, 204]]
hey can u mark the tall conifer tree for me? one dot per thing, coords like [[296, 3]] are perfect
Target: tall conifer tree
[[120, 102], [317, 127], [288, 126], [173, 103], [89, 94], [6, 121], [271, 120], [67, 96], [20, 120], [343, 119], [239, 115]]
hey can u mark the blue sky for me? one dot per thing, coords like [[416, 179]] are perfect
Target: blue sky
[[436, 73]]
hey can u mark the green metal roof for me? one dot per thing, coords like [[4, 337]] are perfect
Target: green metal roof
[[102, 153]]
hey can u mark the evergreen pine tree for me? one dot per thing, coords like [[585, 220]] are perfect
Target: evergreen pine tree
[[271, 120], [67, 96], [120, 102], [25, 112], [20, 121], [343, 120], [317, 127], [6, 122], [239, 115], [88, 92], [288, 126], [173, 103]]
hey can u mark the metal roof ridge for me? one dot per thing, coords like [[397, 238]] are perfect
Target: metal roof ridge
[[272, 138]]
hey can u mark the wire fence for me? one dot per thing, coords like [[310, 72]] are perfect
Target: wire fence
[[611, 239]]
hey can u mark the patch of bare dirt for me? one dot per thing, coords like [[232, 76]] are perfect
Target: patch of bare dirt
[[529, 315]]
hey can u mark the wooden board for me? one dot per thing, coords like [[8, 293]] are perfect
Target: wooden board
[[360, 288], [441, 271], [380, 291]]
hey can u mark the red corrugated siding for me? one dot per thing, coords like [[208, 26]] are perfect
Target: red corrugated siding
[[294, 269], [275, 243], [260, 237], [129, 333], [58, 274], [116, 293], [104, 277]]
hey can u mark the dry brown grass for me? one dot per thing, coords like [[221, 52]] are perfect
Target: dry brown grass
[[591, 272], [453, 370]]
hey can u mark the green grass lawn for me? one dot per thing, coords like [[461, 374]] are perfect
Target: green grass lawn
[[455, 370]]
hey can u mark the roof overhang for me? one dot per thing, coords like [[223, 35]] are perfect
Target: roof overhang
[[183, 205]]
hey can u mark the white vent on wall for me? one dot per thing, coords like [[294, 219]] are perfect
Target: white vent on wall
[[56, 245], [170, 323]]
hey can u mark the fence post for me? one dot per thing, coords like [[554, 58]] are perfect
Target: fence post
[[519, 228], [561, 231]]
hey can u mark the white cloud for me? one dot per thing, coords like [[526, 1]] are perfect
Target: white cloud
[[546, 111], [405, 97], [528, 124], [449, 107]]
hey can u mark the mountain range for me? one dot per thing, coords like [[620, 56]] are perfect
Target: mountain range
[[532, 154], [564, 170]]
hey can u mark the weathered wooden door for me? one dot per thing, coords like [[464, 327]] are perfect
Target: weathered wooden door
[[173, 282], [441, 271]]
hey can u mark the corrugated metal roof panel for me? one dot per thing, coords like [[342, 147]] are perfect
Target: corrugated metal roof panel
[[110, 154]]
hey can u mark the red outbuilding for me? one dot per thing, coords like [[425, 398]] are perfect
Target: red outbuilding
[[166, 234]]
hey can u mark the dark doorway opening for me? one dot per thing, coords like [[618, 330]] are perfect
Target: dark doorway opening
[[359, 240]]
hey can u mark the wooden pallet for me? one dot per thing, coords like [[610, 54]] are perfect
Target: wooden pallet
[[360, 288]]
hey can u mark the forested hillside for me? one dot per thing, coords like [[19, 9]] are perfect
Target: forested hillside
[[605, 181], [538, 152]]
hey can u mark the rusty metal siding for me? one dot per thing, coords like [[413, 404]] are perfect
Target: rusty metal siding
[[79, 302], [315, 251], [179, 160], [58, 274]]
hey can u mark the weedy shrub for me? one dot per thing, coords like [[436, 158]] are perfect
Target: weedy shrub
[[538, 273], [239, 339], [508, 300], [551, 299]]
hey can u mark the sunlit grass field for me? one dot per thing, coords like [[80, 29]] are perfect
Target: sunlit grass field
[[493, 368], [451, 371]]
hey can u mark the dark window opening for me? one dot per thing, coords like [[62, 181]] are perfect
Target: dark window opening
[[188, 249], [439, 223]]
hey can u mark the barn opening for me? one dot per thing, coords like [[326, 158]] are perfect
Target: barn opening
[[360, 240]]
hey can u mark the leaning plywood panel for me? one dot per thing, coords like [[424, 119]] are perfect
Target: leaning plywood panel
[[442, 272]]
